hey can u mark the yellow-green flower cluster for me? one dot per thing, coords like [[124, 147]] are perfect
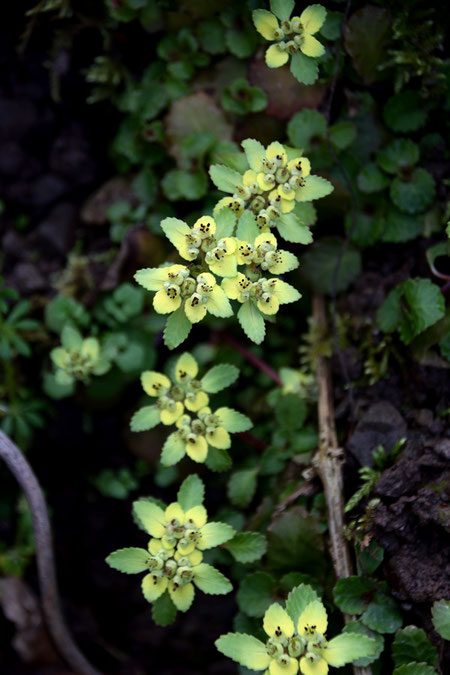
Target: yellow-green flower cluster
[[296, 641], [291, 35], [203, 428], [174, 557], [77, 358], [270, 187]]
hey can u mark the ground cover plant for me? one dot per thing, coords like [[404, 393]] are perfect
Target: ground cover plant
[[224, 337]]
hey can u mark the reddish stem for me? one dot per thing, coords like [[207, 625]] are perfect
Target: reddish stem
[[255, 360]]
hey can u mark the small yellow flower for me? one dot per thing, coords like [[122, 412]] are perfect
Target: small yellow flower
[[207, 296], [221, 259], [238, 287], [290, 36]]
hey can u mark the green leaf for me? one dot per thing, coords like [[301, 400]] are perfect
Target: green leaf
[[400, 227], [255, 593], [348, 647], [218, 459], [415, 669], [371, 179], [342, 134], [295, 542], [191, 492], [366, 35], [382, 614], [331, 29], [219, 377], [440, 613], [292, 229], [304, 69], [242, 487], [145, 186], [412, 644], [245, 649], [177, 328], [129, 560], [400, 154], [211, 581], [64, 309], [173, 450], [255, 153], [225, 223], [164, 611], [304, 126], [224, 178], [360, 628], [415, 194], [214, 534], [315, 187], [389, 312], [290, 412], [241, 43], [330, 265], [252, 322], [298, 599], [233, 421], [247, 229], [349, 594], [282, 8], [146, 418], [246, 547], [71, 338], [405, 112]]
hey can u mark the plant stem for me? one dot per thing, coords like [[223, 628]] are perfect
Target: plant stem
[[255, 360], [328, 461], [51, 606]]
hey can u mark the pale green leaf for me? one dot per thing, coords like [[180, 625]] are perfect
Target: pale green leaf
[[292, 229], [247, 229], [173, 450], [245, 649], [304, 68], [233, 421], [255, 153], [191, 492], [71, 339], [211, 581], [315, 187], [282, 8], [252, 322], [298, 599], [177, 328], [219, 377], [225, 223], [145, 418], [214, 534], [129, 560], [224, 178], [348, 647]]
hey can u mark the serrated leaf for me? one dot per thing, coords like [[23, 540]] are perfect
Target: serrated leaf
[[360, 628], [214, 534], [173, 450], [254, 152], [191, 492], [440, 613], [282, 8], [415, 669], [331, 266], [218, 459], [298, 599], [145, 418], [402, 153], [247, 229], [304, 126], [405, 112], [245, 649], [246, 547], [348, 647], [225, 223], [304, 68], [219, 377], [371, 179], [233, 421], [129, 560], [415, 194], [351, 594], [315, 187], [382, 614], [242, 486], [255, 593], [412, 644], [211, 581], [252, 322], [224, 178], [177, 328], [164, 611], [400, 227], [292, 229]]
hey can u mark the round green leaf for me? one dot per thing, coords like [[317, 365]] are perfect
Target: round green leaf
[[412, 644], [255, 593], [405, 112], [211, 581], [129, 560], [440, 613], [351, 594], [415, 194], [247, 547]]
